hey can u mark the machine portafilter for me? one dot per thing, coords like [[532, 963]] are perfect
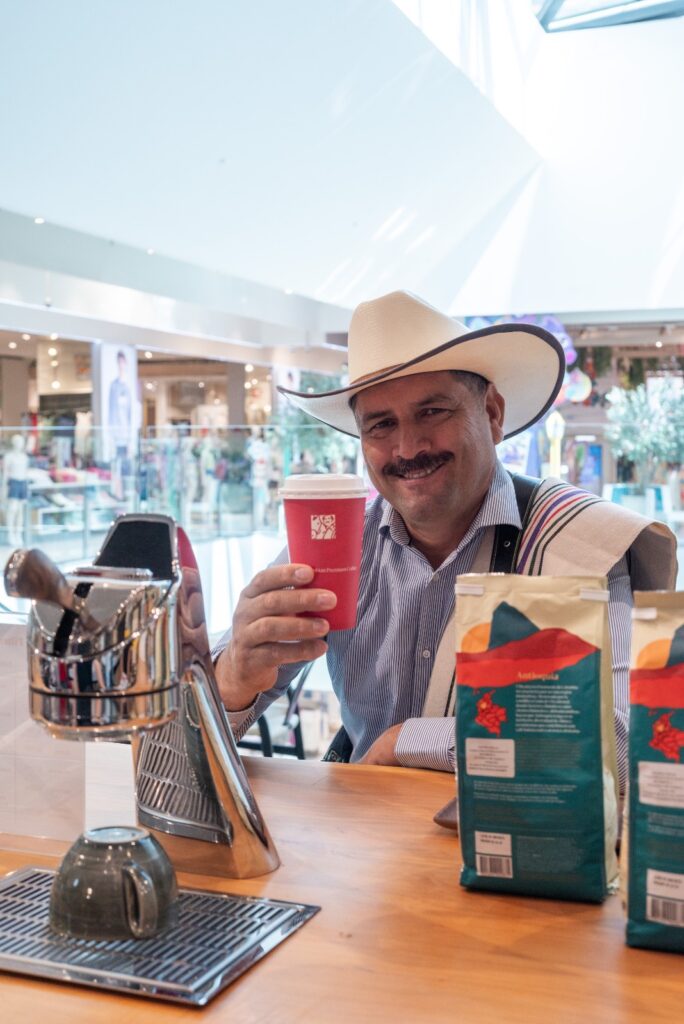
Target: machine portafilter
[[120, 650]]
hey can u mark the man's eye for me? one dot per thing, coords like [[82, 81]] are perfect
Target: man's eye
[[432, 411], [382, 426]]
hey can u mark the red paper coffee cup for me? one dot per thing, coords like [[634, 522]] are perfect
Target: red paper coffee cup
[[324, 521]]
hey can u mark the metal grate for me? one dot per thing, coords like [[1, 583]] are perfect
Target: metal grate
[[168, 787], [217, 938]]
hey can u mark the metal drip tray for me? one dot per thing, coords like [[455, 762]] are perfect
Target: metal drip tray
[[217, 938]]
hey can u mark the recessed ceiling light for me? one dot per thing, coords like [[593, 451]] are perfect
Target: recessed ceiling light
[[248, 367], [658, 344], [149, 386], [288, 291], [247, 385], [52, 351], [12, 344], [55, 362], [39, 220], [150, 252], [26, 337], [54, 337], [254, 381], [56, 385], [148, 355], [201, 384], [217, 401]]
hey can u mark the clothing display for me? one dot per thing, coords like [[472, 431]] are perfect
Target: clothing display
[[17, 489], [83, 434], [15, 471]]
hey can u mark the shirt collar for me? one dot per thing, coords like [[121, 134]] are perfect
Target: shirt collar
[[499, 507]]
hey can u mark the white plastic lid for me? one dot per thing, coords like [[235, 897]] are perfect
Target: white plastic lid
[[323, 485]]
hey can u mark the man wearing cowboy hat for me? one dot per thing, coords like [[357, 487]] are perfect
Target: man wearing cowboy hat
[[430, 400]]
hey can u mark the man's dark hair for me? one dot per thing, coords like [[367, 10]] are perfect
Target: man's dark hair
[[475, 383]]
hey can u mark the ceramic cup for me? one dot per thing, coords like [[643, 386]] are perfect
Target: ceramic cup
[[114, 883]]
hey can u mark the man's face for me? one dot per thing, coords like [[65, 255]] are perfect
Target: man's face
[[428, 442]]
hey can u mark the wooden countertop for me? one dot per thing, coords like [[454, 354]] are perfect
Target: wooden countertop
[[397, 938]]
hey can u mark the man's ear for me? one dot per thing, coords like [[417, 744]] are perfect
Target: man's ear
[[495, 407]]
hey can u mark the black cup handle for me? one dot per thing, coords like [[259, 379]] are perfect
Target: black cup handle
[[140, 901]]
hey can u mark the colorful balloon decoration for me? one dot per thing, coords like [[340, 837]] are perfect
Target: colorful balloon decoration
[[577, 386]]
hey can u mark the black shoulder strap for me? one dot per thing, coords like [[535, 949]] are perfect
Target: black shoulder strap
[[507, 537]]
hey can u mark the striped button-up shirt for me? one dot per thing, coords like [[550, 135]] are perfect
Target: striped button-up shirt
[[380, 670]]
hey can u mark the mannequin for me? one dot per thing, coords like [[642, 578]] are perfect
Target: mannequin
[[16, 488], [259, 452], [187, 486], [209, 483]]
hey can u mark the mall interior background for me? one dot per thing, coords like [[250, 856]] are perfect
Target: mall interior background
[[193, 197]]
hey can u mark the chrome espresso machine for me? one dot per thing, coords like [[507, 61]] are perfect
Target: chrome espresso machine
[[119, 650]]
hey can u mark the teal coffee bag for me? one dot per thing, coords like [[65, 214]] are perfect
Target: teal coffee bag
[[535, 736], [653, 840]]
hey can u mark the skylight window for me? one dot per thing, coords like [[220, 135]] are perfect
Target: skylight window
[[566, 15]]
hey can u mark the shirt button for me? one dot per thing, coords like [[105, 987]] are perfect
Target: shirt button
[[425, 653]]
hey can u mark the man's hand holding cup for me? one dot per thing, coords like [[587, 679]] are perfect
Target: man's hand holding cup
[[285, 613], [269, 630]]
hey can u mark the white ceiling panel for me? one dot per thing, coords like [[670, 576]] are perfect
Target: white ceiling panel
[[322, 146]]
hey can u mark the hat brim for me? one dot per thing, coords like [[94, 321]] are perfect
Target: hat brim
[[525, 363]]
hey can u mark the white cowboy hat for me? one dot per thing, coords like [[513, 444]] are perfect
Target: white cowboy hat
[[399, 334]]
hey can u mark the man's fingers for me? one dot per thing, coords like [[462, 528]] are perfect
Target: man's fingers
[[279, 628], [268, 627], [283, 603], [275, 654], [291, 602], [281, 590], [278, 576]]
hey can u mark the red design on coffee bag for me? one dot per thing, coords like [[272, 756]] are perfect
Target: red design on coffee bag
[[544, 653], [489, 714], [666, 738]]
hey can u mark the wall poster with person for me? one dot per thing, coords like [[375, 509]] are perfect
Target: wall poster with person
[[116, 408]]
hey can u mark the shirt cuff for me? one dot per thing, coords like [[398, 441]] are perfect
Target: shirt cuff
[[427, 743], [241, 721]]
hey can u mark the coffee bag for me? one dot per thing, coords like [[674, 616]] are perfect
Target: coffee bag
[[653, 840], [535, 736]]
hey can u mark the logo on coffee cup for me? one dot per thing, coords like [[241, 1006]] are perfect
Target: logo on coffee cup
[[323, 527]]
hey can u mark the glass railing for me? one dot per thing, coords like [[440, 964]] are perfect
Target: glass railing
[[60, 494]]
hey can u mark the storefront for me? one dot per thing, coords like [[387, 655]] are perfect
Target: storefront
[[104, 428]]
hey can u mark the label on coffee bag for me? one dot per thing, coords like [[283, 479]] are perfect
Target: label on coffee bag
[[655, 837], [529, 737]]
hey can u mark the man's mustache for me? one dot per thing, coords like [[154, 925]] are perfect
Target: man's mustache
[[422, 463]]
